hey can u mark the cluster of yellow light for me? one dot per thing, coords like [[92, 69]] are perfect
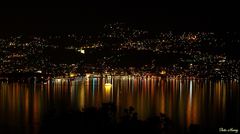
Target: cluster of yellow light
[[107, 96], [73, 75], [163, 72]]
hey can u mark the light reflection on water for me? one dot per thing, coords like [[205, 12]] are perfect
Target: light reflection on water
[[205, 102]]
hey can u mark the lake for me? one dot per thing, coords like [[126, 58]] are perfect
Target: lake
[[210, 103]]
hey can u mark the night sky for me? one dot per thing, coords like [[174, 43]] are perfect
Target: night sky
[[92, 18]]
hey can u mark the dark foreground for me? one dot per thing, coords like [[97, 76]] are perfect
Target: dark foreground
[[104, 120]]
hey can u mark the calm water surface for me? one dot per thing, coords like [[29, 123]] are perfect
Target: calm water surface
[[212, 104]]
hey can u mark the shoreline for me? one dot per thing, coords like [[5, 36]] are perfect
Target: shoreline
[[43, 78]]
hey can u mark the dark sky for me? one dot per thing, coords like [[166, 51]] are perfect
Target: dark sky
[[92, 18]]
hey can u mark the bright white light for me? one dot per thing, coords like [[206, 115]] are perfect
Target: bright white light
[[39, 71], [222, 60], [190, 91], [82, 51]]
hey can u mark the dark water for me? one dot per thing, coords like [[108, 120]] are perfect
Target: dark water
[[212, 104]]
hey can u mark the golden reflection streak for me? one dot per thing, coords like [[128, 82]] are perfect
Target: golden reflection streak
[[152, 90], [107, 90], [81, 96], [141, 98], [223, 98], [36, 109], [195, 103], [129, 93], [26, 110], [181, 104], [162, 96], [217, 96], [118, 95]]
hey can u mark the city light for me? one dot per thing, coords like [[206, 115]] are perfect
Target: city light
[[82, 51], [163, 72], [39, 71], [73, 75]]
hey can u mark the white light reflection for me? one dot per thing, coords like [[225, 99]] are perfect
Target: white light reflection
[[190, 95]]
